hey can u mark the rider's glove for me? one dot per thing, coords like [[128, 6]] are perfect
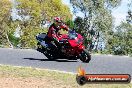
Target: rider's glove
[[55, 39]]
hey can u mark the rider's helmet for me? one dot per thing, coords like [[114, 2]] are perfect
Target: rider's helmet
[[57, 20]]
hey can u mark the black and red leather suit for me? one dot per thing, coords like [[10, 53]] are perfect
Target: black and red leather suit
[[53, 32]]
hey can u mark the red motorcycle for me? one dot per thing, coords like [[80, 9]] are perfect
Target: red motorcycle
[[70, 47]]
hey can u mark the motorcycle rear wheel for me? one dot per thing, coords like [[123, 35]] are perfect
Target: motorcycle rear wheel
[[49, 54], [46, 52], [85, 56], [39, 47]]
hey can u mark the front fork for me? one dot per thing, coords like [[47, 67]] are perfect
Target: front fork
[[81, 49]]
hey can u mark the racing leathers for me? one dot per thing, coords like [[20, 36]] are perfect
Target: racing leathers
[[53, 31]]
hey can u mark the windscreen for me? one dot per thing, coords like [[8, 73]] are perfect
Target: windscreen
[[72, 34]]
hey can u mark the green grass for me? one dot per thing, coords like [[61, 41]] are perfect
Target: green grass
[[69, 79], [6, 71]]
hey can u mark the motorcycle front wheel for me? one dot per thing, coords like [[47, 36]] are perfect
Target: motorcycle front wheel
[[85, 56]]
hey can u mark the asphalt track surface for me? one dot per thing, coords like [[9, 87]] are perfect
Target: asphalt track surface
[[100, 64]]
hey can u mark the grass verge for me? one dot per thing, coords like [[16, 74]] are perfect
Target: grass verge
[[69, 80]]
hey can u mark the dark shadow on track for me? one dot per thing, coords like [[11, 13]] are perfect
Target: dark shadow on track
[[57, 60]]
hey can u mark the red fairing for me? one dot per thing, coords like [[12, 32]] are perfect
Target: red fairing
[[81, 47], [76, 43], [80, 37], [73, 42], [64, 36]]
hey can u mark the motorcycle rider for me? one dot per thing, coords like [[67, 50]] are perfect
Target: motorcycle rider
[[53, 32]]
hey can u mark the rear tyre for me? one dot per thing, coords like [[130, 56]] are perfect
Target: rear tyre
[[50, 54], [39, 47], [85, 56]]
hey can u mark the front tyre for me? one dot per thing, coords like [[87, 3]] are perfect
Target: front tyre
[[85, 56]]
